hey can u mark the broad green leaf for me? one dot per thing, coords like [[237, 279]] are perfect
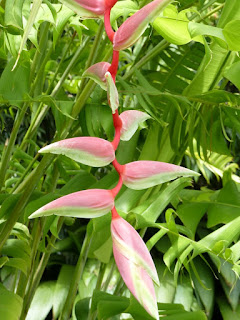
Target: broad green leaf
[[226, 310], [173, 26], [10, 304], [232, 74], [17, 249], [8, 205], [101, 245], [27, 29], [42, 301], [203, 281], [3, 260], [108, 305], [63, 15], [10, 87], [230, 12], [153, 211], [175, 250], [123, 9], [61, 289], [81, 309], [210, 65], [225, 233], [18, 263], [226, 206], [166, 291], [184, 293], [197, 29], [82, 180], [191, 213], [231, 32], [13, 16]]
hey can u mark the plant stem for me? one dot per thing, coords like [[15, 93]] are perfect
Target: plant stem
[[39, 272], [151, 54], [42, 110], [8, 152], [16, 212], [92, 55], [107, 24], [76, 278]]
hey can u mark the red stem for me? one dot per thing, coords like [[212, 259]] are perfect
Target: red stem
[[114, 66], [117, 122], [107, 24], [119, 167], [118, 187], [115, 215]]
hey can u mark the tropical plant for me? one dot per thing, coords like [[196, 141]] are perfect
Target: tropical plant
[[178, 71]]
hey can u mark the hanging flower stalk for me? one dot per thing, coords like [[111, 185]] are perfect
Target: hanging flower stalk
[[131, 255]]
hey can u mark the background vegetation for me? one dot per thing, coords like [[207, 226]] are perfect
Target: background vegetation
[[184, 72]]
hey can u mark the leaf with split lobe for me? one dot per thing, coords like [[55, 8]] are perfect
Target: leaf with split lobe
[[92, 151], [97, 73], [131, 120], [133, 27], [90, 203], [145, 174]]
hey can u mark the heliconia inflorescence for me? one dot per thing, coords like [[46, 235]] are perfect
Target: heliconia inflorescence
[[132, 257]]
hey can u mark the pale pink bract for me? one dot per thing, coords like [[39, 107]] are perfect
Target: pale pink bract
[[135, 264], [145, 174], [96, 6], [90, 203]]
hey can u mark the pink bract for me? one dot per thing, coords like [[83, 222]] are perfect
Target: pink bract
[[133, 27], [144, 174], [97, 6], [97, 73], [131, 119], [135, 264], [91, 151], [82, 204]]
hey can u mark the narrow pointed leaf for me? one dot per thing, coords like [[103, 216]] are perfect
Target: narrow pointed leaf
[[82, 204], [145, 174], [133, 27], [95, 152], [135, 264], [131, 120], [112, 92], [97, 73]]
